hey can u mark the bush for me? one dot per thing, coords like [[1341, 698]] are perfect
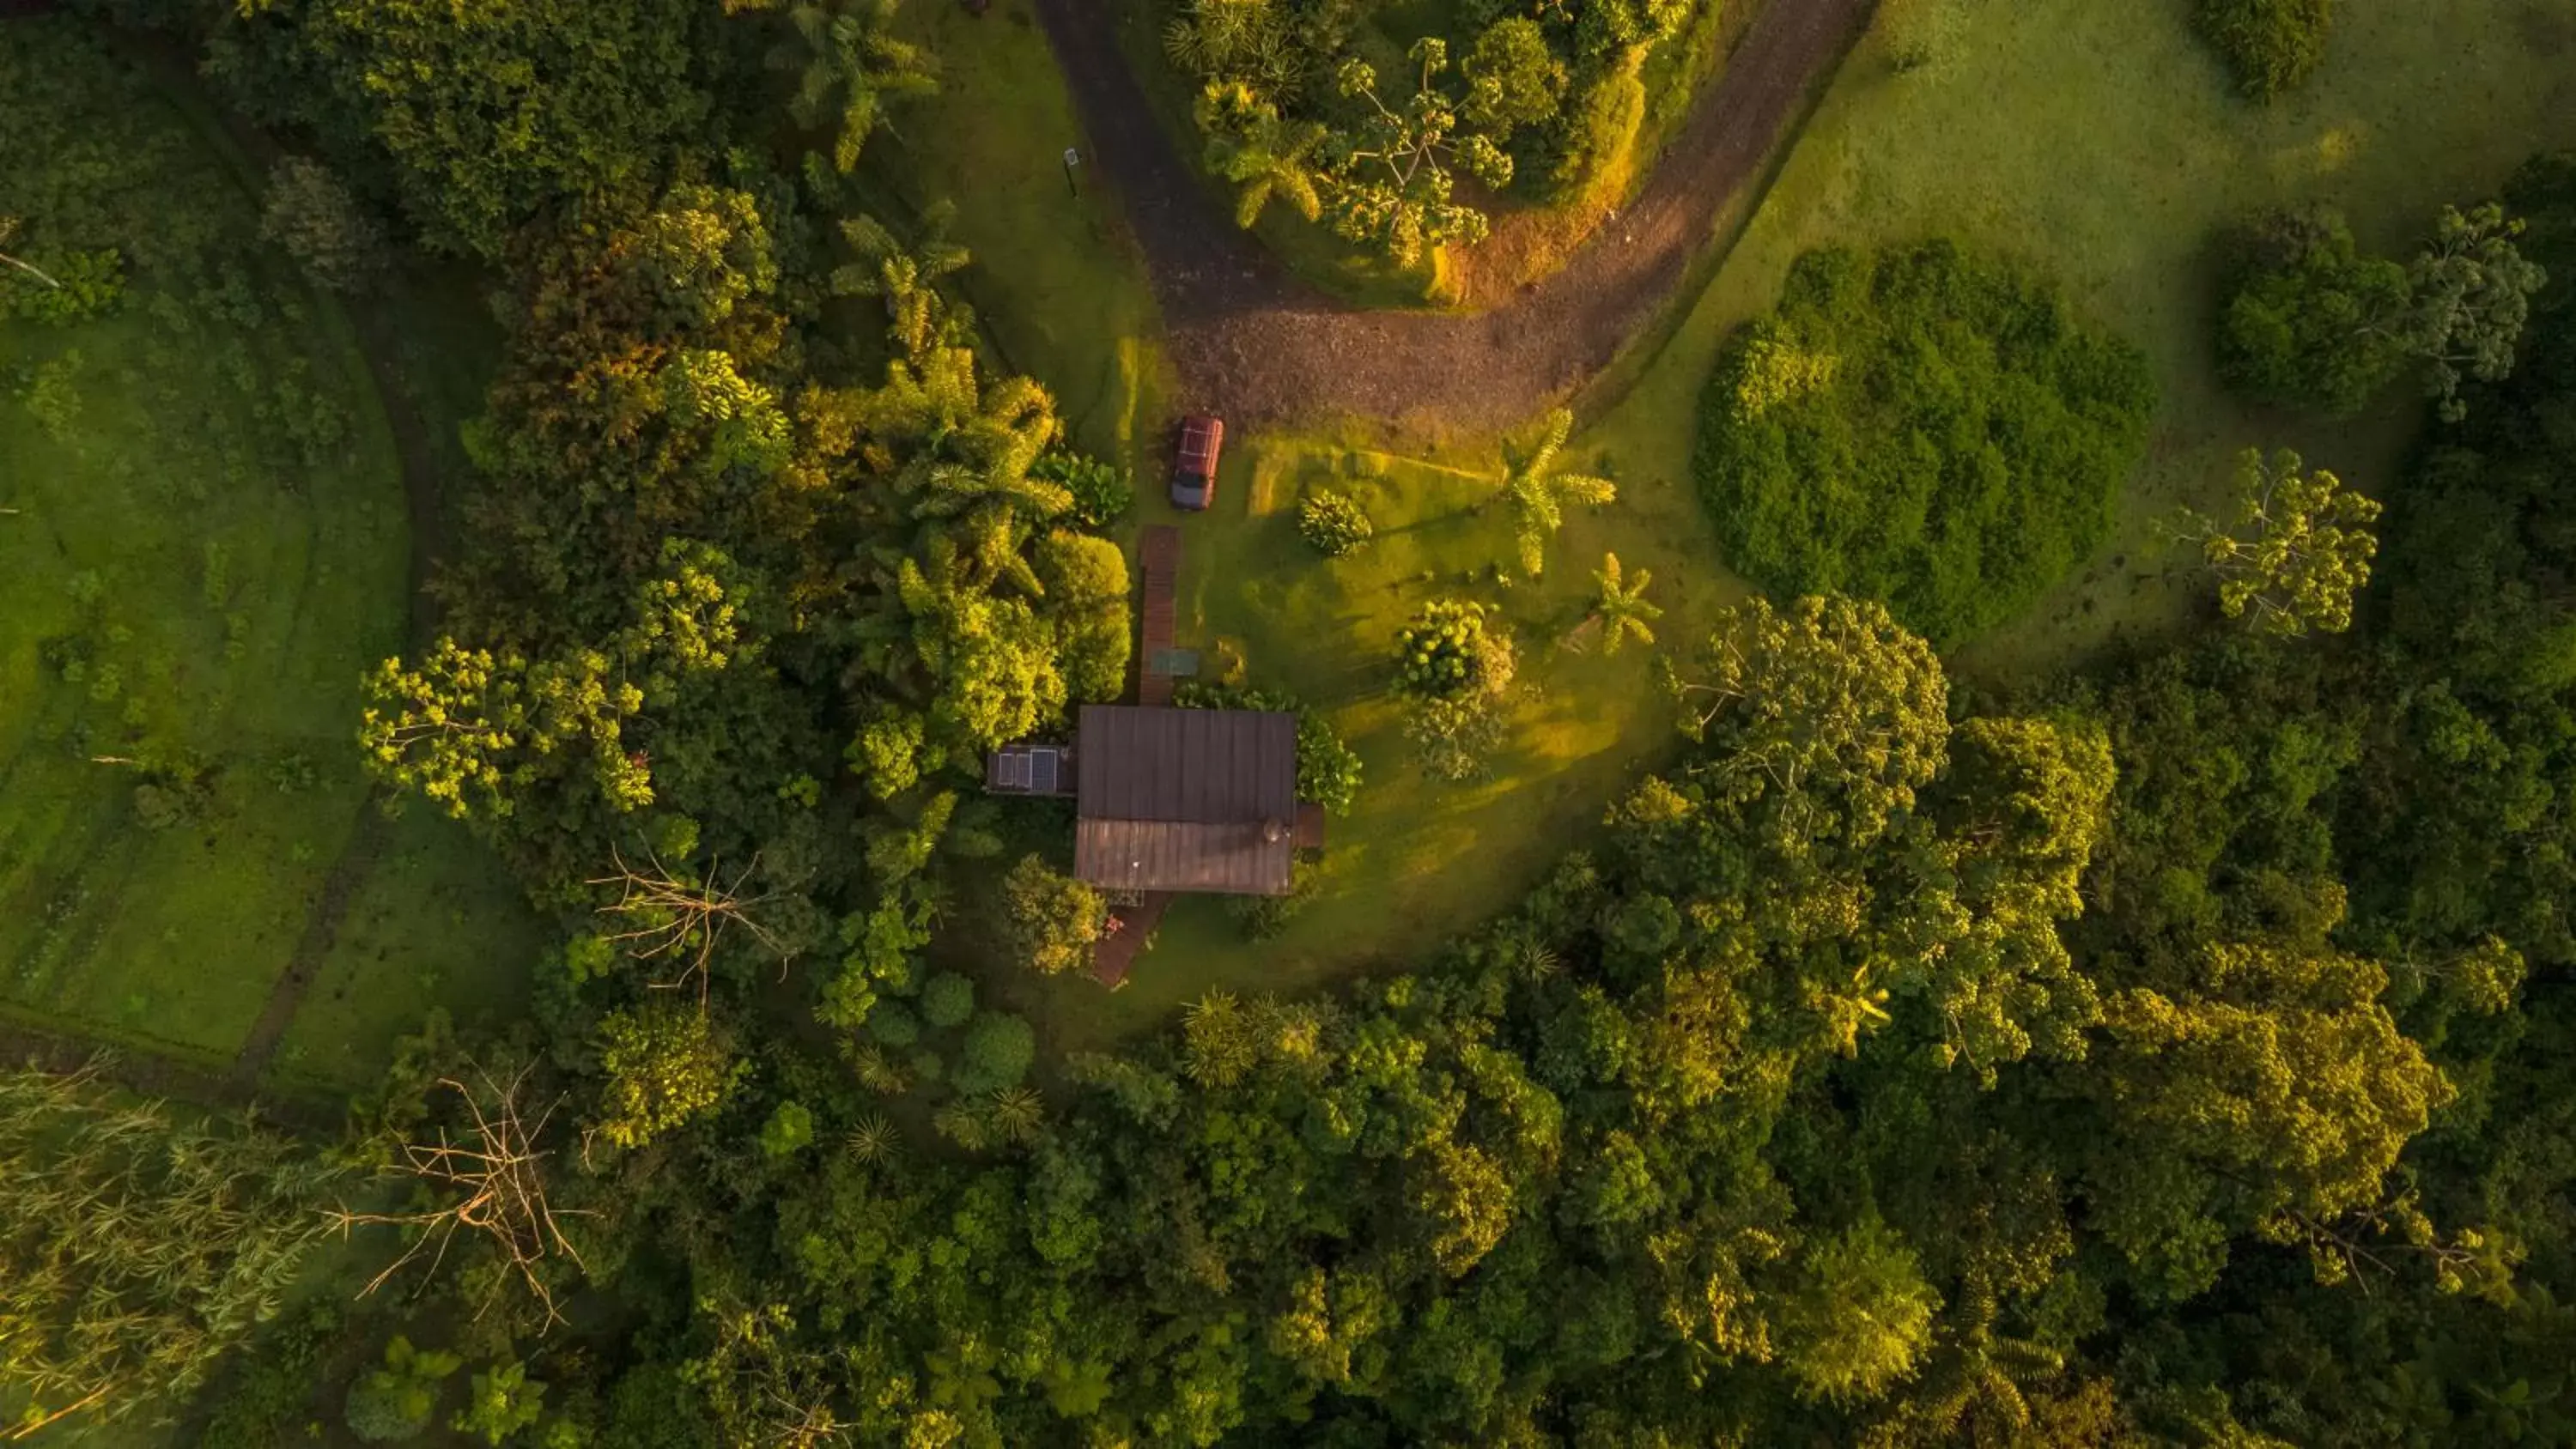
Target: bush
[[1333, 523], [1919, 427], [894, 1026], [947, 1000], [665, 1065], [2272, 45], [312, 217], [274, 1383], [2309, 321], [1050, 919], [1264, 917], [87, 284], [1102, 493], [395, 1401], [997, 1053], [1445, 651]]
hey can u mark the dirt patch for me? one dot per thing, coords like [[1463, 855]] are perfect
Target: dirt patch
[[1255, 344]]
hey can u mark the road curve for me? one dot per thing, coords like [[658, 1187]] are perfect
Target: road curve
[[1255, 343]]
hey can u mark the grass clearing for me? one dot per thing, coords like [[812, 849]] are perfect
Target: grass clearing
[[1057, 278], [1418, 860], [209, 546], [2106, 145]]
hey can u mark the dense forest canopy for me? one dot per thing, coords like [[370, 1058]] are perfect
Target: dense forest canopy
[[2172, 1051]]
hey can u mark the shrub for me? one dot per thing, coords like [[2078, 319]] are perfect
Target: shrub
[[997, 1053], [1264, 917], [274, 1383], [2271, 45], [87, 284], [1920, 427], [947, 1000], [395, 1401], [1050, 919], [1333, 523], [2309, 321], [312, 218], [1446, 651], [1102, 493], [892, 1025], [790, 1129]]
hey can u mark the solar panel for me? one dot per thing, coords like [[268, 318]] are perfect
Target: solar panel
[[1015, 770], [1042, 770]]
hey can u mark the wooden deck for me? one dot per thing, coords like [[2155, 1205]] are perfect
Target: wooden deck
[[1161, 559], [1130, 926]]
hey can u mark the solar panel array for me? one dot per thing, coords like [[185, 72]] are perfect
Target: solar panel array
[[1042, 770], [1014, 770]]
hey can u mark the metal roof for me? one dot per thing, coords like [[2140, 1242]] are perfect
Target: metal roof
[[1186, 800]]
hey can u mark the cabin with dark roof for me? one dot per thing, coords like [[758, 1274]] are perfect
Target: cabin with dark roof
[[1186, 800]]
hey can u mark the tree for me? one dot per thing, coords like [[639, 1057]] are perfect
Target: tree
[[947, 999], [140, 1247], [1863, 1317], [1265, 157], [1829, 717], [1537, 493], [2309, 551], [1050, 920], [1392, 183], [1620, 604], [1513, 78], [2472, 291], [2311, 321], [995, 1055], [666, 1066], [906, 278], [849, 64]]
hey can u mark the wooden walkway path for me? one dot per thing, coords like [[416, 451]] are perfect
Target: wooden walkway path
[[1161, 557], [1129, 928]]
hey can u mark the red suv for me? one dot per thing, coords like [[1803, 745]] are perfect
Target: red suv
[[1194, 474]]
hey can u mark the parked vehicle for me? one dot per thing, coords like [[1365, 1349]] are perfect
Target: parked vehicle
[[1194, 473]]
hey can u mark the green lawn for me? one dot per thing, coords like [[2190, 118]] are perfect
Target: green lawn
[[1057, 278], [2103, 143], [206, 546], [434, 923]]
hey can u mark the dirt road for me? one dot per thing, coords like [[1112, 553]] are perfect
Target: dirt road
[[1256, 344]]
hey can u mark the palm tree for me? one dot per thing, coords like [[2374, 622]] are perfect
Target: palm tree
[[1621, 605], [1267, 157], [906, 278], [1538, 494], [848, 65]]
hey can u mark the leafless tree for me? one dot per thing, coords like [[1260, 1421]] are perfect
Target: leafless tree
[[496, 1184], [675, 919]]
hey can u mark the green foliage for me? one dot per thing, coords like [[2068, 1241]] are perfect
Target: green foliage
[[665, 1066], [396, 1400], [491, 114], [1332, 523], [1537, 493], [997, 1052], [1103, 493], [504, 1401], [789, 1130], [1445, 651], [143, 1246], [849, 65], [1863, 1318], [2273, 46], [1050, 920], [273, 1384], [74, 288], [947, 999], [2309, 551], [2311, 321], [1620, 604], [1922, 427], [311, 216], [2473, 290], [1513, 78]]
